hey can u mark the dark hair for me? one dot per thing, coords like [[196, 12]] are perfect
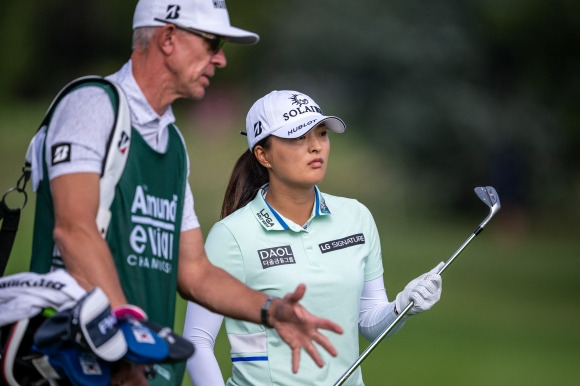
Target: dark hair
[[247, 178]]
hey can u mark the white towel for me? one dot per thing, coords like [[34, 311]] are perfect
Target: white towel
[[24, 295]]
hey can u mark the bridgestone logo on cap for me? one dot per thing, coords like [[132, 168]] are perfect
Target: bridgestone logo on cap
[[172, 11], [258, 128]]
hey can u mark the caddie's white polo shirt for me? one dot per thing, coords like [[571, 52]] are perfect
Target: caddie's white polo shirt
[[333, 254], [83, 121]]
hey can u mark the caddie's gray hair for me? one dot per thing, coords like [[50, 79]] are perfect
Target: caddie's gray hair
[[142, 36]]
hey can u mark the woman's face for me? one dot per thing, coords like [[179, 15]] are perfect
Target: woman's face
[[298, 162]]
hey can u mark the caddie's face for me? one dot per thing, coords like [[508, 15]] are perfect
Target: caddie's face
[[193, 64], [299, 162]]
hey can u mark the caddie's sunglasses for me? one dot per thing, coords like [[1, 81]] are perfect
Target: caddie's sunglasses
[[216, 42]]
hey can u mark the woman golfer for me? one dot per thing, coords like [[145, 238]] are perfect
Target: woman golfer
[[279, 230]]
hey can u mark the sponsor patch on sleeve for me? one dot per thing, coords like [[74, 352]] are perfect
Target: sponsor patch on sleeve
[[345, 242], [60, 153]]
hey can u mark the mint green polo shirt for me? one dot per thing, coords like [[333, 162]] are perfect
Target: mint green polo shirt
[[334, 253]]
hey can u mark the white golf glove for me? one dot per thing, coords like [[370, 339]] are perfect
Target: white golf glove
[[423, 291]]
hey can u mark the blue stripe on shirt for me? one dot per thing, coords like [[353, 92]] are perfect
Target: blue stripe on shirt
[[249, 359]]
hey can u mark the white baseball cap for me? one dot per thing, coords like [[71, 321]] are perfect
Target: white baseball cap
[[286, 114], [203, 15]]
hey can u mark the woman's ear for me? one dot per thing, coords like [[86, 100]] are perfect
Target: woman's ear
[[261, 156]]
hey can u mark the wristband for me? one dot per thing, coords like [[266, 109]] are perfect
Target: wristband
[[265, 311]]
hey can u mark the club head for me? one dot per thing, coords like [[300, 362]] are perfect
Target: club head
[[489, 196]]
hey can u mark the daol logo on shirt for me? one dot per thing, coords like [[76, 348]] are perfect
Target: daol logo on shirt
[[271, 257]]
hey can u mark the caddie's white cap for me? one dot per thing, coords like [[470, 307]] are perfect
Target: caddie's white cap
[[203, 15], [286, 114]]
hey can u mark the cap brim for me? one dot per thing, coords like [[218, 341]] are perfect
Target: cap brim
[[235, 35], [300, 127]]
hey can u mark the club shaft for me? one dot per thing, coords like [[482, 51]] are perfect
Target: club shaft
[[372, 346], [458, 251], [378, 339]]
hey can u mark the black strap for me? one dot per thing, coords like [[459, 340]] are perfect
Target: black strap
[[10, 218]]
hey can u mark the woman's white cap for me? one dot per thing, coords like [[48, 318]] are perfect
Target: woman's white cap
[[286, 114], [203, 15]]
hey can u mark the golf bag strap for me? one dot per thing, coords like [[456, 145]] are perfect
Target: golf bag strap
[[112, 168], [10, 218], [117, 150]]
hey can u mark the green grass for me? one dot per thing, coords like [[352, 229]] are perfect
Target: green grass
[[510, 309]]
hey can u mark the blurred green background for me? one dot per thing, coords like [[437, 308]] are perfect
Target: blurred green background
[[438, 98]]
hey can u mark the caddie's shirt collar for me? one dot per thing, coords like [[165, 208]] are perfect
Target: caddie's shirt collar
[[272, 220], [141, 112]]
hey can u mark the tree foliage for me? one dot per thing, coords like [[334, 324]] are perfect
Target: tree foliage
[[456, 93]]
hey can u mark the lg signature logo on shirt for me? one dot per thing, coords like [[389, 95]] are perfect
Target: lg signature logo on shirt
[[345, 242]]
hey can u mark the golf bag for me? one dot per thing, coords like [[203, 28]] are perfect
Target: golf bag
[[54, 333]]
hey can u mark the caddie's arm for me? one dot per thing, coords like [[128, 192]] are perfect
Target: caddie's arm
[[85, 253], [217, 290]]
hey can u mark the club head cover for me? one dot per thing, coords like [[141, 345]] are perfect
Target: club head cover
[[90, 325], [143, 344], [81, 368], [93, 317], [180, 349]]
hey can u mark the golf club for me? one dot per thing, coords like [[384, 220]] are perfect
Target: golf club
[[489, 196]]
